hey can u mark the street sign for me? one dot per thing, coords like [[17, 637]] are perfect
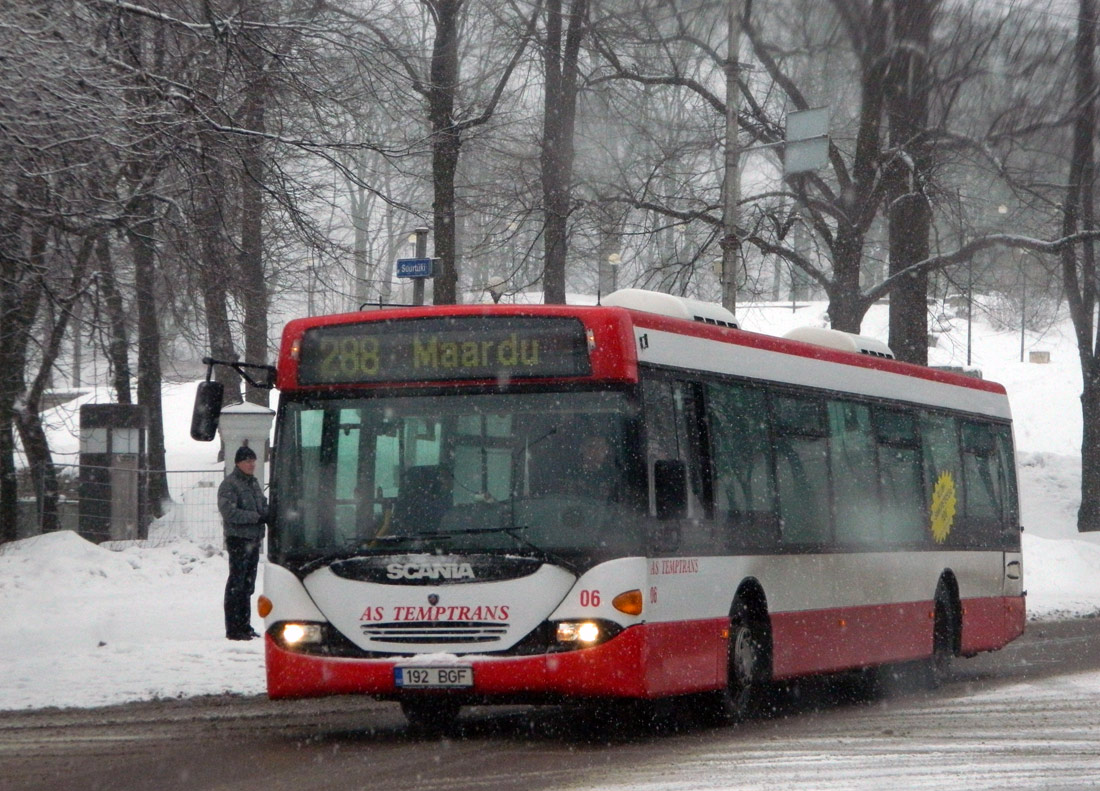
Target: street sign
[[807, 141], [414, 267]]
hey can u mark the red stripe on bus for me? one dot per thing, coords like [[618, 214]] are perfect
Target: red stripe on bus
[[820, 641], [685, 656], [990, 623], [662, 659]]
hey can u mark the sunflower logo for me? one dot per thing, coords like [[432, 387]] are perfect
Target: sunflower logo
[[944, 500]]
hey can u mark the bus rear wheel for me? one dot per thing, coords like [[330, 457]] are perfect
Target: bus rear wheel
[[430, 716], [945, 631]]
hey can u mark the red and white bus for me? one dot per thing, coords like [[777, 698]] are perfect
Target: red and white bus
[[637, 500]]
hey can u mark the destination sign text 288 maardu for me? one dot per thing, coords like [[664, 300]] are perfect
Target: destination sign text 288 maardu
[[457, 347]]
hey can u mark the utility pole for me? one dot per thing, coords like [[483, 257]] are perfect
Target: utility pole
[[731, 186], [421, 252]]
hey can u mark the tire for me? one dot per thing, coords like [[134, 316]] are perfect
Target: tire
[[430, 716], [748, 677], [945, 633]]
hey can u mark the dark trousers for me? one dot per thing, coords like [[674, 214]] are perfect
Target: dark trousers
[[244, 556]]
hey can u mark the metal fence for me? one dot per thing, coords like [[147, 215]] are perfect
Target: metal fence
[[191, 512]]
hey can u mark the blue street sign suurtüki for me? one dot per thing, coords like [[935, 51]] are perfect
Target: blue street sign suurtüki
[[414, 267]]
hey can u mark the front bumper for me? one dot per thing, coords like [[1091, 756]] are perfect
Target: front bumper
[[611, 669]]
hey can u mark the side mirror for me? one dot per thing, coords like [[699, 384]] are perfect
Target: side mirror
[[670, 485], [208, 408], [267, 381]]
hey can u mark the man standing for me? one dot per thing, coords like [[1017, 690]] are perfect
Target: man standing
[[243, 507]]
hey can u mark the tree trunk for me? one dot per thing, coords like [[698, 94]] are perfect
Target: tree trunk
[[446, 145], [41, 468], [1088, 517], [253, 286], [909, 214], [149, 379], [559, 121], [118, 344], [1079, 272], [219, 336], [211, 228], [846, 303], [11, 256], [910, 219], [18, 307], [28, 415]]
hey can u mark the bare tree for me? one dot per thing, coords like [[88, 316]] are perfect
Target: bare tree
[[1079, 266], [451, 111], [908, 173], [566, 27]]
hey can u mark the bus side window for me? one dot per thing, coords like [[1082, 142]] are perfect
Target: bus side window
[[904, 513], [660, 422], [942, 476], [1006, 459], [691, 437], [984, 486], [802, 470], [675, 433], [744, 482], [853, 467]]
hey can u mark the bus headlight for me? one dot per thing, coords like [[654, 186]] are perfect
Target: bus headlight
[[294, 634], [583, 632], [574, 635]]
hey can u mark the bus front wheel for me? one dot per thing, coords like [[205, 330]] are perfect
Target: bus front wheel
[[748, 675]]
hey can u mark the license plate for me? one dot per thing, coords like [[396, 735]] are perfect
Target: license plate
[[429, 676]]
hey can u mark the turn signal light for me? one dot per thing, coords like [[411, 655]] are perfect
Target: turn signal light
[[264, 606], [629, 602]]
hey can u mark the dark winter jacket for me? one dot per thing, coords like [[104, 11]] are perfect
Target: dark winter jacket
[[242, 505]]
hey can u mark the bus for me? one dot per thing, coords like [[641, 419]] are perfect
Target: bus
[[634, 500]]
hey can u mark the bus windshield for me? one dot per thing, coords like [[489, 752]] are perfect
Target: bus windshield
[[551, 474]]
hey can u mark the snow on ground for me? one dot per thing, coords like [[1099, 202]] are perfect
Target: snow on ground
[[84, 625]]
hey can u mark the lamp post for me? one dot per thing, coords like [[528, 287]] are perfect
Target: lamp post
[[419, 237], [1023, 306], [969, 305], [613, 269], [496, 287], [731, 181]]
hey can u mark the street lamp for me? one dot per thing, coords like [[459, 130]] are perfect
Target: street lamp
[[969, 306], [613, 265], [496, 287], [419, 237]]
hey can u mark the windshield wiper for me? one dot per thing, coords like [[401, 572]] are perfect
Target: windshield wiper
[[516, 534]]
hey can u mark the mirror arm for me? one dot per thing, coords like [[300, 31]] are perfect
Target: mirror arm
[[267, 384]]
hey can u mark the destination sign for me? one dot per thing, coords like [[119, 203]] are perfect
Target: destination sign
[[454, 347]]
